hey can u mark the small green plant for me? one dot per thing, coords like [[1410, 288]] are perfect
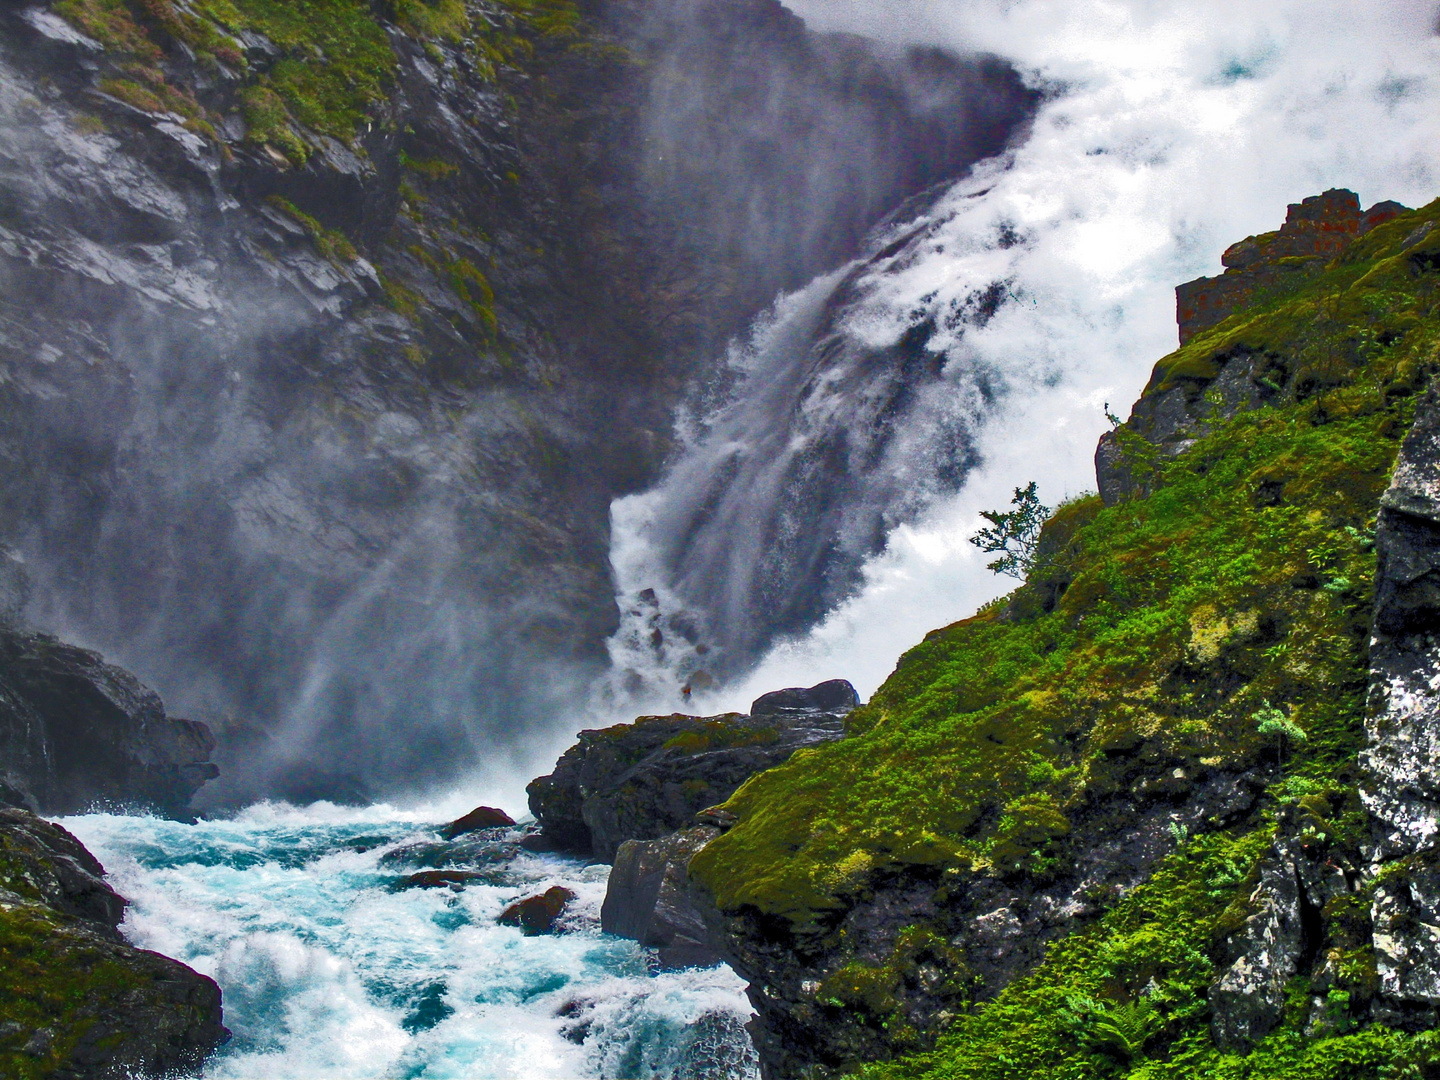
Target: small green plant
[[1014, 533], [1118, 1031], [1180, 833], [1273, 723]]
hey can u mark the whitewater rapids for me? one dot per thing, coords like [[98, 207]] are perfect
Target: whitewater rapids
[[327, 972]]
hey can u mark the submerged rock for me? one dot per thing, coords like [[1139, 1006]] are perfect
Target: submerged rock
[[642, 781], [77, 1000], [537, 914], [439, 879]]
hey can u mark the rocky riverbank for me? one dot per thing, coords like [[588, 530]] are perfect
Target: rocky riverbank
[[75, 999]]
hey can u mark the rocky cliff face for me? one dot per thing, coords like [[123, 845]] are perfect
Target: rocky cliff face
[[76, 1001], [326, 330], [1140, 816]]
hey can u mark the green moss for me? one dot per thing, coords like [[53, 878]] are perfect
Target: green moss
[[333, 245], [269, 123], [471, 285], [110, 22], [54, 975], [1218, 623], [717, 735], [1155, 630], [430, 168], [336, 64]]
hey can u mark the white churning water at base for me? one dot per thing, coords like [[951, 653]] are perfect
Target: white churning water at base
[[327, 972]]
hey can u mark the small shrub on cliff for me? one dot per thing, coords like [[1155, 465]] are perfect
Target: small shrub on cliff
[[1014, 534]]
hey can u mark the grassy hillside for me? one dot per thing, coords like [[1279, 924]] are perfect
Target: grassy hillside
[[1218, 624]]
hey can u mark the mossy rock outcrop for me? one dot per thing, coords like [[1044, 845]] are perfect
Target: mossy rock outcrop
[[644, 780], [1039, 849], [76, 1001]]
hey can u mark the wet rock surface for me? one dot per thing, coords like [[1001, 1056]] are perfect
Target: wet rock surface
[[76, 732], [648, 897], [77, 1000], [389, 386], [482, 817], [538, 914], [644, 780]]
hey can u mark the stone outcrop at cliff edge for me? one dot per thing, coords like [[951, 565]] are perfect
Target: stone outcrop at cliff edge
[[76, 731], [644, 780]]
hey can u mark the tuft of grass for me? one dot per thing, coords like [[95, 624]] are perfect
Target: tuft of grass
[[335, 246]]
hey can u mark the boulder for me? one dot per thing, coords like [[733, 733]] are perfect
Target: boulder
[[644, 780], [438, 879], [76, 996], [76, 731], [537, 914], [648, 898], [482, 817], [835, 696]]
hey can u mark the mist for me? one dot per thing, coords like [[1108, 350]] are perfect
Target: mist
[[369, 548]]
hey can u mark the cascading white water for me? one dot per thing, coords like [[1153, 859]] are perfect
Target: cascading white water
[[330, 973], [1036, 290]]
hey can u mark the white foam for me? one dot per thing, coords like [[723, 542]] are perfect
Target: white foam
[[321, 964], [1174, 130]]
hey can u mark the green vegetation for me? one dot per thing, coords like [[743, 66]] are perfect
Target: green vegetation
[[333, 245], [332, 65], [1219, 622], [719, 735], [1014, 534]]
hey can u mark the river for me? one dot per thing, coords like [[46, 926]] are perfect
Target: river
[[329, 972]]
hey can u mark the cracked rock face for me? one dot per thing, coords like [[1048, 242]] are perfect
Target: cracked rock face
[[1402, 758], [1403, 726], [1406, 915]]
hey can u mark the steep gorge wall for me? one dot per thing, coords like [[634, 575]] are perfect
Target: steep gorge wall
[[326, 337]]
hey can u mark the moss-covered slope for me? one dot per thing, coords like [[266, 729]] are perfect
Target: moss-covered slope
[[1181, 668]]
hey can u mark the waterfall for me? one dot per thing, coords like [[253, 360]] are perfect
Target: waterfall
[[814, 522]]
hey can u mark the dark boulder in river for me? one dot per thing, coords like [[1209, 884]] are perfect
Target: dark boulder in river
[[538, 914], [482, 817], [644, 780]]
